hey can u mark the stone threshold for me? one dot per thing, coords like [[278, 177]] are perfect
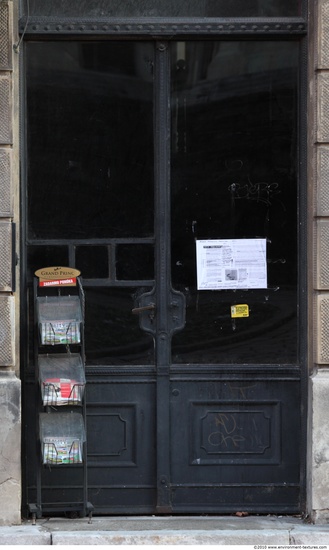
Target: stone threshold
[[220, 530]]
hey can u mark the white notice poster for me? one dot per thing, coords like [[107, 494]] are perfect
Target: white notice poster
[[231, 263]]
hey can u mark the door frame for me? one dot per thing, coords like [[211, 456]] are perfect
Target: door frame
[[161, 32]]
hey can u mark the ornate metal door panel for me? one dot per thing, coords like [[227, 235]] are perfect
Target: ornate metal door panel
[[137, 151]]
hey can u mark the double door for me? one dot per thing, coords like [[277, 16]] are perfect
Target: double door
[[167, 172]]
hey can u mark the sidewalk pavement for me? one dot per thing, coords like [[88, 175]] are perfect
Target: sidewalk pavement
[[200, 530]]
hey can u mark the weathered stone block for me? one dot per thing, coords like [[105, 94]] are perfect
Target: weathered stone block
[[23, 535], [10, 450], [323, 37], [5, 183], [7, 331], [5, 110], [321, 336], [5, 37], [323, 108], [190, 537], [304, 535], [6, 260], [322, 188], [320, 440], [322, 255]]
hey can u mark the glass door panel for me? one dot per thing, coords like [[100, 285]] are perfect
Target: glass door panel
[[234, 176], [90, 200], [91, 167], [113, 335]]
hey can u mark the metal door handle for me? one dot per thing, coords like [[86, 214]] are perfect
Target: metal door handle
[[137, 310]]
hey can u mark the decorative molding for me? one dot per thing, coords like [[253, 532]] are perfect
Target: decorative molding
[[164, 27]]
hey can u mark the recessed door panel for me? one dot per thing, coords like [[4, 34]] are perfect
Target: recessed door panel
[[233, 432]]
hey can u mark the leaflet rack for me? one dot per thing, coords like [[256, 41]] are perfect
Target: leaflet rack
[[60, 380]]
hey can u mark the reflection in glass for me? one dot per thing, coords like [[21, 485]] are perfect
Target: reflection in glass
[[45, 256], [170, 8], [92, 261], [90, 142], [112, 332], [234, 175], [134, 262]]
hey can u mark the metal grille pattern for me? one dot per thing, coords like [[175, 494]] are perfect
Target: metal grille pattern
[[5, 180], [5, 256], [323, 329], [6, 331], [323, 182], [5, 111], [323, 108], [324, 35], [5, 46], [323, 255]]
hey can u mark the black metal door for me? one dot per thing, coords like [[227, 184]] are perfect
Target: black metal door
[[137, 151]]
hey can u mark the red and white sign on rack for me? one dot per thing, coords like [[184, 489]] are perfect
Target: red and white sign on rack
[[57, 276]]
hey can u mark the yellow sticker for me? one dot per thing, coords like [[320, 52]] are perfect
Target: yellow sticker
[[240, 310]]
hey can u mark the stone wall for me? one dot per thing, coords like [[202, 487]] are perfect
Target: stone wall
[[10, 390], [319, 177]]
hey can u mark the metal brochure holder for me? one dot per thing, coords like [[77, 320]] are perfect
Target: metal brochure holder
[[60, 377]]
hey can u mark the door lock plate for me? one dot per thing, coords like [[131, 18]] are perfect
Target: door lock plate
[[146, 309]]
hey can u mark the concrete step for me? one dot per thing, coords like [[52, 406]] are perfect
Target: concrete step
[[223, 531]]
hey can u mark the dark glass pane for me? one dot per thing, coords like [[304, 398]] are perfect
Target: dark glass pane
[[45, 256], [134, 262], [112, 332], [90, 142], [92, 261], [234, 176], [170, 8]]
